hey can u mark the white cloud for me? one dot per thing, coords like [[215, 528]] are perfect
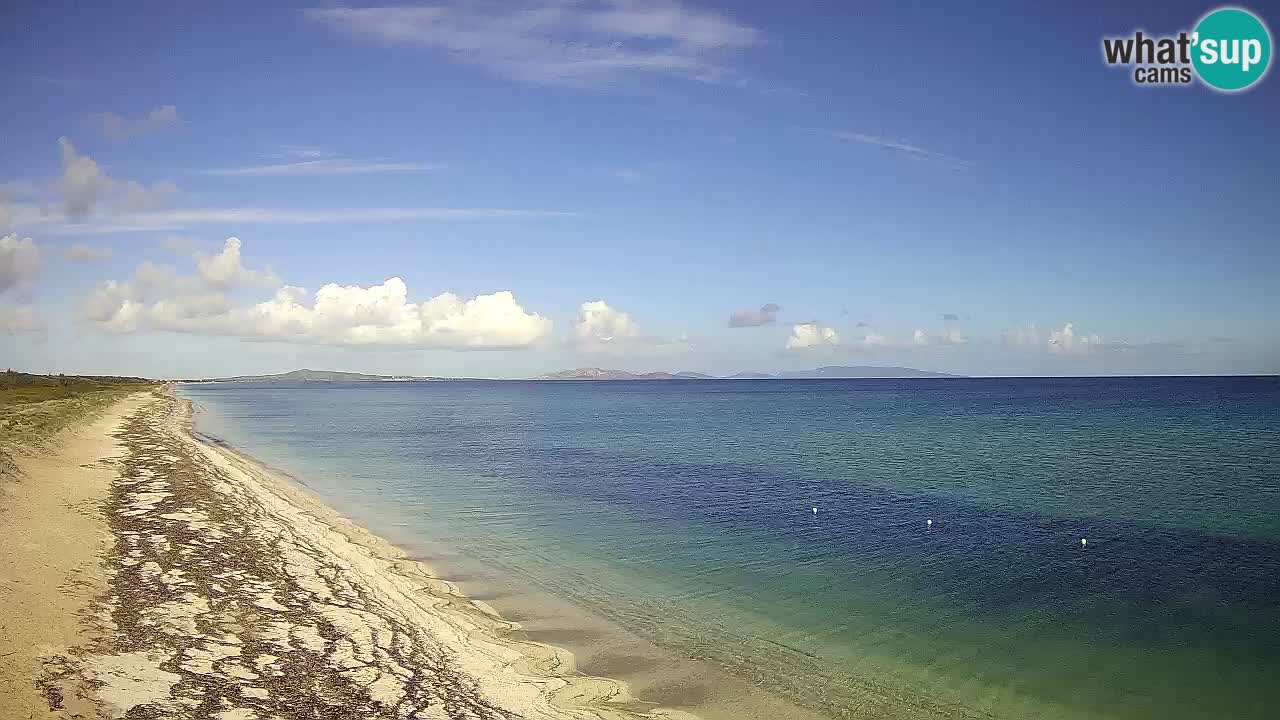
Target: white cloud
[[600, 326], [352, 315], [118, 127], [554, 41], [19, 266], [949, 336], [806, 336], [225, 270], [17, 319], [82, 183], [1063, 341], [160, 298], [1066, 342], [83, 186], [82, 253], [19, 262], [326, 166], [755, 318]]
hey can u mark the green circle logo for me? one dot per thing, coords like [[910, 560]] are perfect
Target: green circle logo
[[1231, 49]]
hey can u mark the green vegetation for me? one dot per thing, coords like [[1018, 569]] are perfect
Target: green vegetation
[[34, 408], [18, 388]]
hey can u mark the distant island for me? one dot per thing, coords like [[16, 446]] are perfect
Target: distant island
[[828, 371], [595, 373], [306, 375]]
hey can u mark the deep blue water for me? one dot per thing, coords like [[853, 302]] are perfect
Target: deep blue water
[[681, 513]]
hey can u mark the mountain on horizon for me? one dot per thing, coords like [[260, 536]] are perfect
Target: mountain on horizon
[[828, 371], [308, 375]]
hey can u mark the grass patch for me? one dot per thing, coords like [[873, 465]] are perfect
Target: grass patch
[[18, 388], [35, 408]]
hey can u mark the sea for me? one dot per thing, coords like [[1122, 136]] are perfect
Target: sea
[[996, 548]]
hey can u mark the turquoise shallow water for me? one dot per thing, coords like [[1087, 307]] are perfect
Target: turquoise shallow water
[[673, 521]]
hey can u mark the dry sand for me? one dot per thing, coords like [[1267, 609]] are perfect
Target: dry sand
[[147, 574], [53, 538]]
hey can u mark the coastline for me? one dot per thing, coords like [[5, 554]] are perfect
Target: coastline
[[225, 590]]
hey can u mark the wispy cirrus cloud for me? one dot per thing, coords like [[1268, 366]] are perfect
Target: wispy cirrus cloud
[[55, 223], [326, 166], [85, 200], [898, 146], [287, 160], [561, 42]]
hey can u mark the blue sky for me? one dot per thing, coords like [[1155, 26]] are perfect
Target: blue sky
[[971, 190]]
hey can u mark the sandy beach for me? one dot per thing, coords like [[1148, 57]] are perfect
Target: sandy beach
[[146, 573]]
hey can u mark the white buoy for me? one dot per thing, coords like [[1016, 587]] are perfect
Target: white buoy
[[1083, 542], [815, 511], [930, 521]]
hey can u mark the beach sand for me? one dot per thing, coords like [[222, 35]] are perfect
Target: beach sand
[[146, 573]]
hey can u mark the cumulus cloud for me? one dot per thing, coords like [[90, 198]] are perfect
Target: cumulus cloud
[[600, 328], [383, 315], [805, 336], [755, 318], [84, 185], [19, 266], [553, 41], [1062, 341], [160, 298], [1066, 341], [225, 269], [118, 127], [19, 262], [812, 335], [82, 182], [82, 253]]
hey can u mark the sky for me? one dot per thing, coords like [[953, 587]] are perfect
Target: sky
[[503, 189]]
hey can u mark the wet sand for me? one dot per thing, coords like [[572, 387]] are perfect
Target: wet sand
[[148, 574]]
